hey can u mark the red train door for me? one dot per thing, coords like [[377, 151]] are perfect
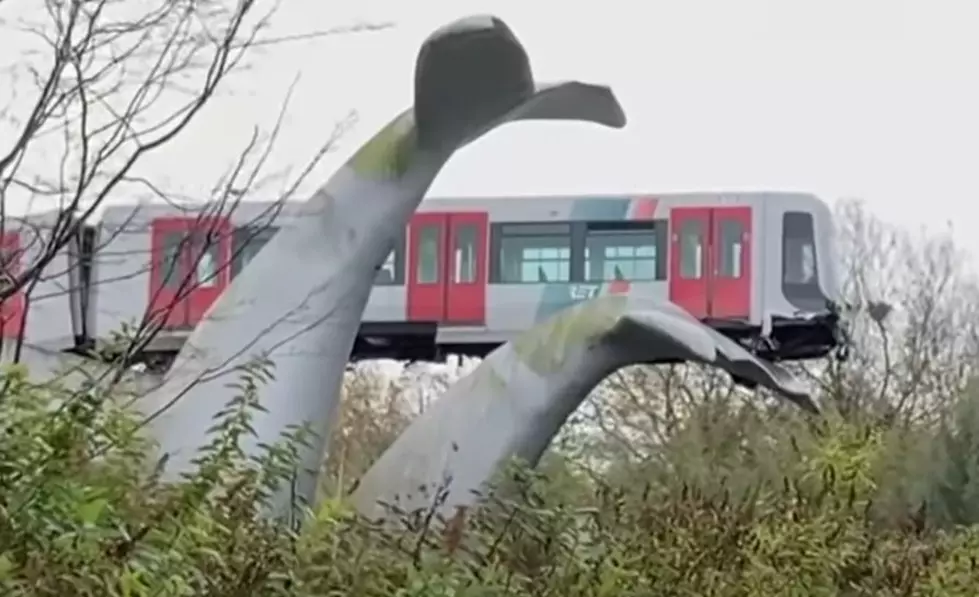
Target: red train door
[[190, 268], [447, 267], [427, 239], [690, 259], [731, 254], [12, 308], [465, 298]]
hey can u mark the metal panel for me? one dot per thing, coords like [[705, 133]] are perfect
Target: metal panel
[[49, 319]]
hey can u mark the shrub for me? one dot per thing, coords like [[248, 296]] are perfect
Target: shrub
[[82, 512]]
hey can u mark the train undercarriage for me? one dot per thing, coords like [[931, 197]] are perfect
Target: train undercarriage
[[790, 339]]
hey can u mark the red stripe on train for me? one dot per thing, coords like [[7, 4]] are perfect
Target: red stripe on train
[[645, 208]]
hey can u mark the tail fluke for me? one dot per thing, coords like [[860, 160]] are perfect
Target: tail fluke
[[675, 332], [473, 75]]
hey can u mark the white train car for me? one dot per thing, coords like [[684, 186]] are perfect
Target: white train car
[[471, 273]]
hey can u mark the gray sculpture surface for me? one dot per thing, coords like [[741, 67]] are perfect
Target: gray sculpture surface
[[516, 400], [73, 373], [300, 301]]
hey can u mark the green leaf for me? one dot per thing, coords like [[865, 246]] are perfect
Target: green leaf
[[89, 512], [6, 566]]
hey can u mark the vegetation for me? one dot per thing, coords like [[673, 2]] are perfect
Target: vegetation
[[669, 482], [81, 514]]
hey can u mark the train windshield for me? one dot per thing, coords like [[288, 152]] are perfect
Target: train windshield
[[800, 275]]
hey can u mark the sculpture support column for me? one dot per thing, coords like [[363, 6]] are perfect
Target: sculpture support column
[[300, 300]]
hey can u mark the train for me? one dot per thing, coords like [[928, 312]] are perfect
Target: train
[[467, 275]]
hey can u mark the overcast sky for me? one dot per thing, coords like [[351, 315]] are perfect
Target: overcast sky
[[876, 99]]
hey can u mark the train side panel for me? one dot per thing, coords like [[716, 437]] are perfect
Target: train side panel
[[48, 302], [549, 281], [388, 298], [161, 263], [736, 270], [121, 265], [484, 269], [609, 224]]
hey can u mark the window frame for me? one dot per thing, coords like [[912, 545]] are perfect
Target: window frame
[[205, 256], [703, 264], [502, 231], [808, 234], [632, 228], [173, 266], [460, 257], [723, 250], [418, 262], [809, 294]]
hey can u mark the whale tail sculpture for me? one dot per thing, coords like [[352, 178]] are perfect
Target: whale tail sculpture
[[453, 98], [517, 399], [471, 76]]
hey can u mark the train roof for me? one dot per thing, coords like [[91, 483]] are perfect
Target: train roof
[[764, 195], [122, 213]]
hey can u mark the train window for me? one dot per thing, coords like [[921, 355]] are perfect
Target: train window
[[246, 242], [428, 262], [692, 250], [208, 254], [171, 267], [387, 272], [392, 271], [465, 254], [533, 253], [731, 249], [545, 264], [620, 251], [798, 249]]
